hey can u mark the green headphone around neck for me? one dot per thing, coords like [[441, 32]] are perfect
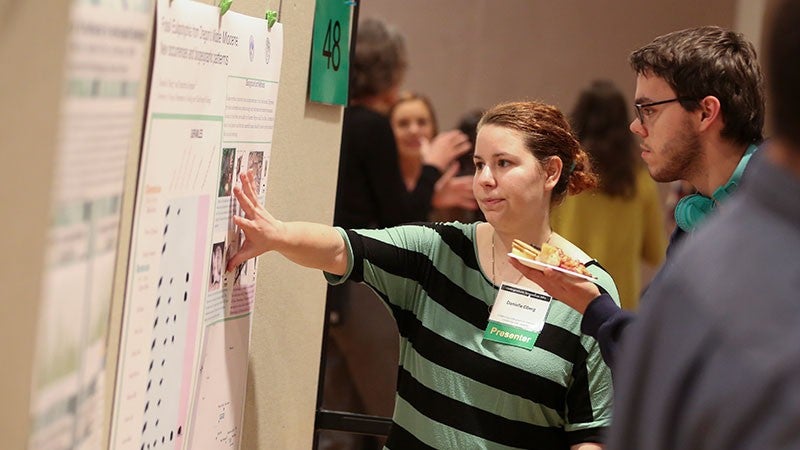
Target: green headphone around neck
[[692, 209]]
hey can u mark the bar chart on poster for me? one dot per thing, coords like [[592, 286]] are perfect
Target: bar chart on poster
[[186, 321]]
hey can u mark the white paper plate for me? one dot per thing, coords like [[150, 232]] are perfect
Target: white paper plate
[[538, 265]]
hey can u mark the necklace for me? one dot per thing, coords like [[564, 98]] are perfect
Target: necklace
[[494, 277]]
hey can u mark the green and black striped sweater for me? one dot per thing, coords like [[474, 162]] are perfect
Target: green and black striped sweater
[[456, 390]]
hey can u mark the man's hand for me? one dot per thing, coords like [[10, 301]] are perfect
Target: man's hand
[[572, 291]]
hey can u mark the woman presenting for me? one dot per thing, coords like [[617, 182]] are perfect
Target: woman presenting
[[457, 387]]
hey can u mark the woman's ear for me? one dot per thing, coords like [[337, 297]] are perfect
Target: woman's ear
[[553, 168]]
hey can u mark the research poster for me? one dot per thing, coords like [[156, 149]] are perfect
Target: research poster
[[182, 370], [105, 67]]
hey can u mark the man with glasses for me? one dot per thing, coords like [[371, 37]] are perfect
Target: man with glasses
[[713, 360], [699, 107]]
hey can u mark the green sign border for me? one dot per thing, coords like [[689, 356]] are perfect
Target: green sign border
[[327, 85]]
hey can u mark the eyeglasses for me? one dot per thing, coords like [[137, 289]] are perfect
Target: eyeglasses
[[640, 114]]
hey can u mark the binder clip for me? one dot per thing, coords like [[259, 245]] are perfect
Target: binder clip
[[224, 6], [272, 17]]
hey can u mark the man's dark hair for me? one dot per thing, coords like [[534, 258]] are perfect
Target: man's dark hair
[[783, 71], [703, 61]]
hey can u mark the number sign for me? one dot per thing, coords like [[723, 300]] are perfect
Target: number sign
[[330, 52]]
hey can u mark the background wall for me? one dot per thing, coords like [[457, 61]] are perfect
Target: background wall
[[473, 53]]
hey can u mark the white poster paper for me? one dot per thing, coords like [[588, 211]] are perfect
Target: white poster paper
[[186, 325]]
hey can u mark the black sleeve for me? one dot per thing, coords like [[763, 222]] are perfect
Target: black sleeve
[[395, 204], [606, 322], [371, 192]]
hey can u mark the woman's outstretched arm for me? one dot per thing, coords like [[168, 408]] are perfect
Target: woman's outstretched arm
[[307, 244]]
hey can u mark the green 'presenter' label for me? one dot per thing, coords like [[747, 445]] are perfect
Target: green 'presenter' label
[[510, 335]]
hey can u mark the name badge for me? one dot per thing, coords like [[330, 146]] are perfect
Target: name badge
[[517, 316]]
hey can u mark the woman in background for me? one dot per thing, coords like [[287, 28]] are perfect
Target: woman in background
[[414, 125], [371, 192], [621, 223]]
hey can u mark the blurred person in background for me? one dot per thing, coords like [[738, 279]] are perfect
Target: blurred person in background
[[621, 223], [468, 124], [414, 124], [371, 192]]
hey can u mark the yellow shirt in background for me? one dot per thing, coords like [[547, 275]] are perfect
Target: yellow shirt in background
[[619, 233]]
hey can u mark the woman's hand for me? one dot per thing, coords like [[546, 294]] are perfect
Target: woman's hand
[[454, 192], [308, 244], [444, 148], [259, 227], [572, 291]]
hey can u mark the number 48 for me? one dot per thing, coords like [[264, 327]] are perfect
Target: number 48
[[330, 47]]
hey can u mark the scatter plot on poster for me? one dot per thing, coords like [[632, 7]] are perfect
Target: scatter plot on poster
[[162, 344], [167, 284], [172, 346]]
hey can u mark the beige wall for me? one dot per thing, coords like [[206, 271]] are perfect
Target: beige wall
[[474, 53]]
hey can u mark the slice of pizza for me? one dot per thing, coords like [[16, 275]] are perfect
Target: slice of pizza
[[523, 249], [554, 256]]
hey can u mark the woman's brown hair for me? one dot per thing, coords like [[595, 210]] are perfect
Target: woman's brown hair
[[546, 133], [600, 120]]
